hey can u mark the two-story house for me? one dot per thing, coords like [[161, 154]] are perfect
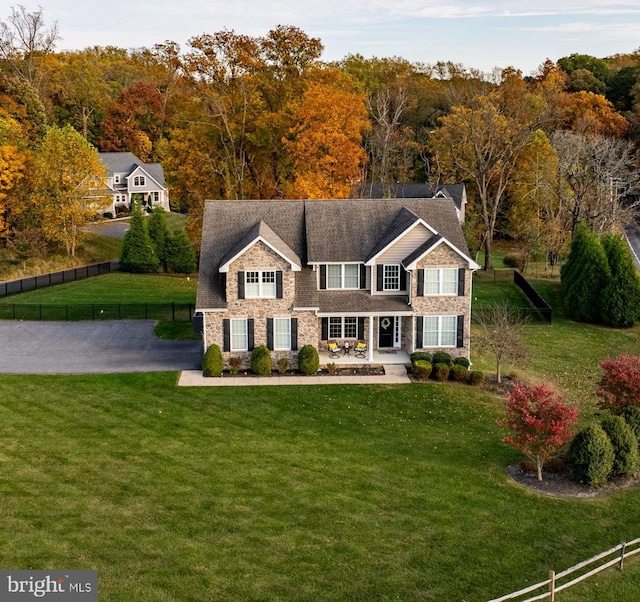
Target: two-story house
[[128, 176], [393, 272]]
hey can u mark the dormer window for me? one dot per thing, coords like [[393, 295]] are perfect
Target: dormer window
[[391, 277], [139, 181], [116, 178], [260, 284], [346, 275]]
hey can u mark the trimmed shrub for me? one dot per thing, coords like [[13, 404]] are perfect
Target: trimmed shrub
[[625, 445], [261, 360], [591, 455], [421, 355], [212, 362], [308, 360], [137, 253], [441, 357], [107, 215], [181, 258], [421, 369], [513, 261], [631, 414], [441, 371], [476, 378], [331, 367], [458, 373], [621, 295], [462, 361]]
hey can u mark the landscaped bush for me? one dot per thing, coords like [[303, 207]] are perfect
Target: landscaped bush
[[458, 373], [421, 355], [308, 360], [261, 361], [625, 445], [462, 361], [441, 357], [212, 362], [591, 455], [441, 371], [107, 215], [421, 369], [631, 414], [514, 261], [476, 378], [235, 364]]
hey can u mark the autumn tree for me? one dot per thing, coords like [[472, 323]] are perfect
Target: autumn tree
[[67, 177], [325, 141], [501, 328], [540, 421], [480, 144], [592, 114], [12, 170], [619, 386]]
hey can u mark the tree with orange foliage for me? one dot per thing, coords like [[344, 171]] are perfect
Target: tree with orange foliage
[[593, 114], [325, 142]]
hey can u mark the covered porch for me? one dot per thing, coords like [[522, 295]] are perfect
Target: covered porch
[[380, 356]]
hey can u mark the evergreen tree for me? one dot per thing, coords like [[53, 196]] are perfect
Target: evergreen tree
[[137, 251], [181, 257], [584, 277], [621, 296], [159, 234]]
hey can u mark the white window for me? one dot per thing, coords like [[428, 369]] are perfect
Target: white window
[[391, 277], [343, 328], [116, 178], [440, 331], [260, 283], [282, 333], [345, 275], [139, 181], [442, 281], [239, 334]]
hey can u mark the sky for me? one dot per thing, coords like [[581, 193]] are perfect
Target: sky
[[479, 34]]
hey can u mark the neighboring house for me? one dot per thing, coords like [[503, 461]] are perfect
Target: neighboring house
[[394, 272], [410, 190], [128, 176]]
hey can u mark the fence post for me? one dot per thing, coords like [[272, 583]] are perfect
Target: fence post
[[621, 563], [66, 312], [173, 312], [552, 586]]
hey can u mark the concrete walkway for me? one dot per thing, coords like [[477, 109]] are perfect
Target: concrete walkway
[[393, 374]]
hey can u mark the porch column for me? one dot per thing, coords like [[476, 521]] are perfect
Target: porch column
[[370, 358]]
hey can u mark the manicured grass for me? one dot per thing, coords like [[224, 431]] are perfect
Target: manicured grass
[[117, 287], [354, 493], [178, 330]]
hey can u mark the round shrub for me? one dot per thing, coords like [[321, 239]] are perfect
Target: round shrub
[[625, 445], [513, 261], [458, 373], [440, 371], [476, 378], [462, 361], [591, 455], [421, 369], [421, 355], [261, 361], [308, 360], [212, 362], [441, 357], [631, 414]]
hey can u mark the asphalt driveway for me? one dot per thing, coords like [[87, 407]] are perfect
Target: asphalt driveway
[[91, 347]]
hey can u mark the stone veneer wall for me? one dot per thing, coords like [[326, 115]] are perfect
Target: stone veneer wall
[[445, 305], [261, 257]]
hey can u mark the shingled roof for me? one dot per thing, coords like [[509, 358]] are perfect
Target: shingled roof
[[410, 190], [322, 231]]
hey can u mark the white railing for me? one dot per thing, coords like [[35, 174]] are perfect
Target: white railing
[[621, 551]]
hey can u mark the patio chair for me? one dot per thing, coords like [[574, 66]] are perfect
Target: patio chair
[[334, 349], [360, 349]]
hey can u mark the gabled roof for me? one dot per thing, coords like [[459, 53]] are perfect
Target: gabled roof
[[308, 232], [410, 190], [263, 233], [126, 163], [409, 262]]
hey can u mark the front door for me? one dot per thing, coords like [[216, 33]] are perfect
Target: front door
[[386, 332]]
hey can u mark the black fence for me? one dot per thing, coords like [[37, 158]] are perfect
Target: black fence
[[15, 287], [98, 311], [539, 304]]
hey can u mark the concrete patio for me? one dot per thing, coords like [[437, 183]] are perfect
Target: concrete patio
[[380, 356]]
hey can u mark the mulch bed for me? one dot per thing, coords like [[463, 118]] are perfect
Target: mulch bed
[[365, 370], [562, 485]]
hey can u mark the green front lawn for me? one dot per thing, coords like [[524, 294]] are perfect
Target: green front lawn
[[291, 493]]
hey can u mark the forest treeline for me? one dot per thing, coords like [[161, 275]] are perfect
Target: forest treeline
[[232, 116]]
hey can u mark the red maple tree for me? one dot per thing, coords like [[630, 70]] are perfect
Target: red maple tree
[[540, 421]]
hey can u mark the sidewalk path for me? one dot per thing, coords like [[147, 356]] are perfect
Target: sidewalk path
[[393, 374]]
